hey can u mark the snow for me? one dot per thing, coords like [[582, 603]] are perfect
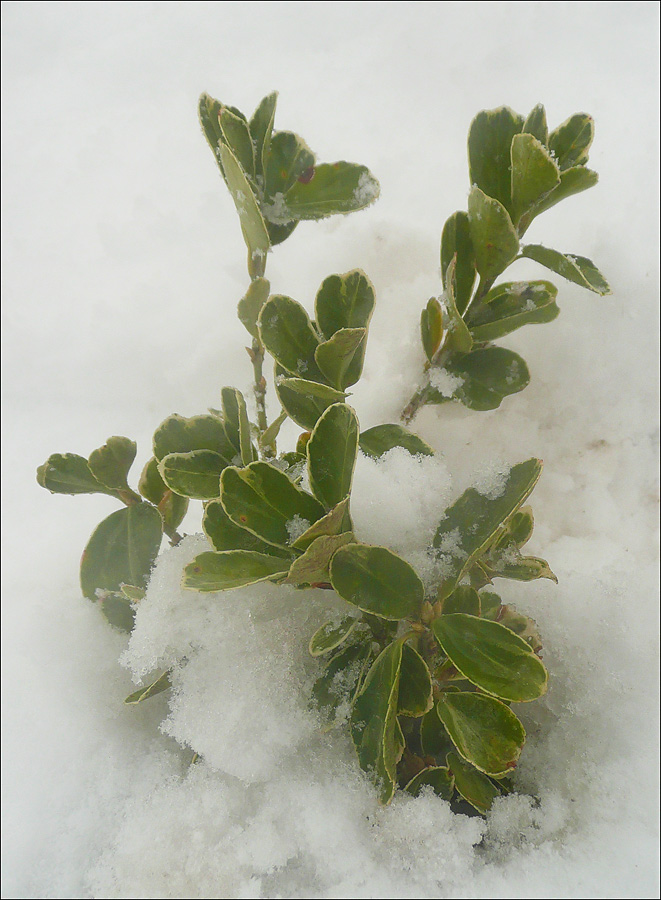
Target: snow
[[366, 190], [492, 480], [296, 527], [446, 383], [276, 210], [123, 264]]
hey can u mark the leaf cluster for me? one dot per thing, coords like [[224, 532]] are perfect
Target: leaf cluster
[[423, 707], [518, 170], [273, 176]]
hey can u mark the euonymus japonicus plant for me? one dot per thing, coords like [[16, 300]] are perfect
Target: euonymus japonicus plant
[[517, 171], [423, 673]]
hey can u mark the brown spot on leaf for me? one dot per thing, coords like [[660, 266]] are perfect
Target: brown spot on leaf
[[307, 176]]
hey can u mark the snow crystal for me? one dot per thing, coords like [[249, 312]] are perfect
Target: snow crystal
[[366, 190], [512, 372], [446, 383], [398, 500], [276, 210], [450, 545], [296, 527], [492, 480]]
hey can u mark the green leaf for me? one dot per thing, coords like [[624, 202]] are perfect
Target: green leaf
[[439, 778], [121, 550], [415, 687], [117, 610], [457, 244], [489, 142], [490, 605], [288, 335], [288, 158], [536, 125], [492, 232], [517, 530], [312, 567], [151, 485], [474, 787], [377, 441], [269, 437], [208, 111], [237, 426], [434, 739], [294, 463], [262, 499], [574, 268], [511, 305], [374, 721], [534, 174], [110, 464], [337, 357], [279, 233], [332, 452], [505, 665], [177, 434], [227, 569], [161, 684], [68, 473], [572, 181], [483, 378], [458, 337], [463, 599], [251, 304], [261, 129], [484, 730], [301, 448], [133, 593], [431, 327], [470, 524], [237, 136], [571, 141], [478, 576], [305, 401], [344, 301], [195, 474], [171, 506], [337, 521], [331, 635], [524, 626], [253, 227], [223, 534], [511, 564], [376, 580], [343, 677], [340, 187]]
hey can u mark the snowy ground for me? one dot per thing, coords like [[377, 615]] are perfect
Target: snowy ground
[[124, 263]]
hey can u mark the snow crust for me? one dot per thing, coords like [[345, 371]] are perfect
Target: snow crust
[[123, 253]]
